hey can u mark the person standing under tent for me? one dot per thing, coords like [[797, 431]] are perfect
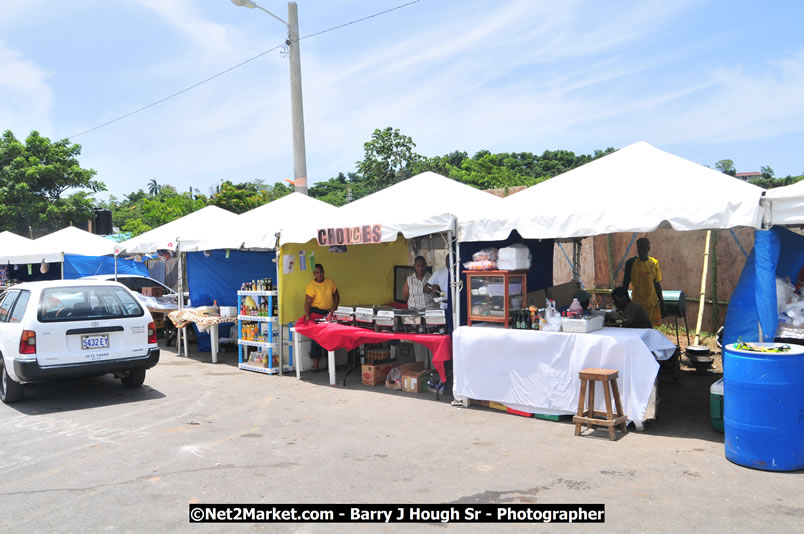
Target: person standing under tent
[[419, 299], [644, 275], [320, 298], [439, 283]]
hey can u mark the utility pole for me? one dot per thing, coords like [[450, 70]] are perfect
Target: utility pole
[[296, 105]]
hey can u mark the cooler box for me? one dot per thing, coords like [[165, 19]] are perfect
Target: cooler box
[[716, 405]]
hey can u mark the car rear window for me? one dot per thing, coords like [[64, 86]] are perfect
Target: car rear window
[[87, 302]]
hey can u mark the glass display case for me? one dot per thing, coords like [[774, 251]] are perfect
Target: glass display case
[[492, 295]]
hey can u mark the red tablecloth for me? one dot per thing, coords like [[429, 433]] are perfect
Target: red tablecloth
[[333, 336]]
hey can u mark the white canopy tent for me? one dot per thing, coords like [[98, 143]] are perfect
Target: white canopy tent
[[785, 204], [9, 240], [53, 247], [636, 189], [183, 234], [258, 228], [425, 204]]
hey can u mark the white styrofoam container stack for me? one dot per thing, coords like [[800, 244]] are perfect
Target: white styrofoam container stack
[[581, 325], [514, 258]]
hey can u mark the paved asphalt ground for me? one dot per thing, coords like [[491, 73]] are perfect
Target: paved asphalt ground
[[92, 456]]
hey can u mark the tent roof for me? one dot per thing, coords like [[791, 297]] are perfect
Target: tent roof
[[636, 189], [10, 239], [53, 246], [182, 234], [421, 205], [257, 228], [786, 204]]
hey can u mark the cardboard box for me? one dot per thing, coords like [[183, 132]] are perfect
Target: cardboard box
[[403, 368], [152, 291], [159, 319], [416, 381], [374, 375]]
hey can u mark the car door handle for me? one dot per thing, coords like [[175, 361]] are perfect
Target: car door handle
[[95, 330]]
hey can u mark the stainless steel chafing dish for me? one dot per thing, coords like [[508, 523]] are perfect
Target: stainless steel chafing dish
[[364, 316], [385, 318], [344, 314], [409, 317], [435, 317]]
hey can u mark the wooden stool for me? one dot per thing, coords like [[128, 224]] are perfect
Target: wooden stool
[[589, 416]]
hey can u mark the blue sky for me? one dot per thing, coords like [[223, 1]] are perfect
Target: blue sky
[[703, 80]]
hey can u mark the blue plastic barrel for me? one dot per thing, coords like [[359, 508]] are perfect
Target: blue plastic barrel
[[763, 407]]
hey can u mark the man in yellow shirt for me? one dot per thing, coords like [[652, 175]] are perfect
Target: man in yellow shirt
[[645, 277], [321, 297]]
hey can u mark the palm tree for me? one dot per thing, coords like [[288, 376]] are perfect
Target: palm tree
[[153, 187]]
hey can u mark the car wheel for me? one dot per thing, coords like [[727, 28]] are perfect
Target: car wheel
[[134, 379], [10, 390]]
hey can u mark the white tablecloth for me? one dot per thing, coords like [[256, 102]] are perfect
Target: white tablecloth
[[537, 372]]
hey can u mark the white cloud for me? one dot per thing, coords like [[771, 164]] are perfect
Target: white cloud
[[210, 37], [25, 95]]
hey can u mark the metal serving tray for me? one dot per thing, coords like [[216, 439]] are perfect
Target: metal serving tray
[[435, 317], [364, 315], [409, 317], [385, 318]]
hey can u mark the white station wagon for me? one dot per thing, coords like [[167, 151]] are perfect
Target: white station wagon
[[71, 329]]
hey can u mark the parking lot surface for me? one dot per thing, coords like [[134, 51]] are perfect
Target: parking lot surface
[[91, 455]]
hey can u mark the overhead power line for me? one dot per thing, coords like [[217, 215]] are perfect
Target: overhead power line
[[202, 82]]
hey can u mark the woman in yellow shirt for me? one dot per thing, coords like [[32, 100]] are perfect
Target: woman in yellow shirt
[[320, 297]]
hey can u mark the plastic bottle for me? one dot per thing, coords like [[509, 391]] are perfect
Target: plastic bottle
[[575, 308]]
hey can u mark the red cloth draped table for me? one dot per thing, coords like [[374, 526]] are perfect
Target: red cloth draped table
[[333, 336]]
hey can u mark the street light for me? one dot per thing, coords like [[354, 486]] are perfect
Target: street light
[[296, 107]]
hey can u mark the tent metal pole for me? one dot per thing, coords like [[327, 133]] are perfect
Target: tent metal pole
[[456, 278], [115, 266], [62, 265], [180, 286]]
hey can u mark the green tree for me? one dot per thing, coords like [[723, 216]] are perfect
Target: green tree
[[135, 227], [389, 158], [153, 187], [34, 178], [726, 166], [766, 171], [490, 171]]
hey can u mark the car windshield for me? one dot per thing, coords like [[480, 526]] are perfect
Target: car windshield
[[87, 302]]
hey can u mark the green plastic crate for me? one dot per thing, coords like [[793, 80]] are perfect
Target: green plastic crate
[[547, 417], [716, 405]]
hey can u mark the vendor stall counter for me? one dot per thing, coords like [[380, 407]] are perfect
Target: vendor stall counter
[[537, 372], [333, 336]]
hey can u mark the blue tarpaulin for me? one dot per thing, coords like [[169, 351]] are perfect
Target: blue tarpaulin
[[78, 266], [216, 277], [777, 252]]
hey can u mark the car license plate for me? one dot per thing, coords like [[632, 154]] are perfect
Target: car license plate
[[94, 342]]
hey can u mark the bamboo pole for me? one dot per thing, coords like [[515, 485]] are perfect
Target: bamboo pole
[[703, 288], [609, 247], [713, 262]]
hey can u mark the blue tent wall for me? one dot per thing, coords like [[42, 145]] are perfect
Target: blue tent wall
[[540, 274], [78, 266], [777, 252], [216, 277]]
